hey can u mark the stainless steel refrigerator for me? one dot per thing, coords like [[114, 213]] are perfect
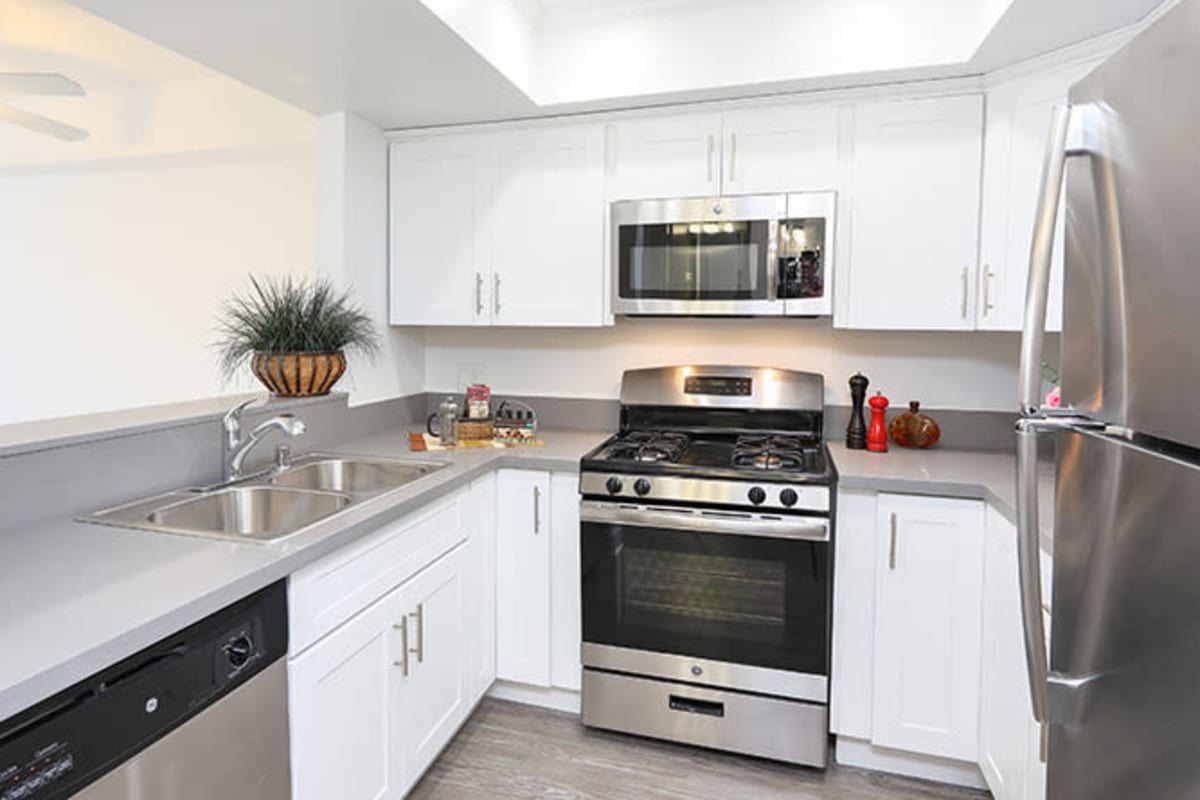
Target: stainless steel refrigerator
[[1120, 695]]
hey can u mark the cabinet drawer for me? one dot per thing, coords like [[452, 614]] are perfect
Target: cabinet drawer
[[325, 594]]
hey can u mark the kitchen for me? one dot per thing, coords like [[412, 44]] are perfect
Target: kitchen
[[716, 254]]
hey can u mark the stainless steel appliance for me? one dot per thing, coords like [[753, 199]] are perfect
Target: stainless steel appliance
[[199, 715], [753, 255], [707, 538], [1119, 694]]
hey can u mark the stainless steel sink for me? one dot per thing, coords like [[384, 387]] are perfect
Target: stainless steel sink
[[354, 475], [270, 505], [249, 512]]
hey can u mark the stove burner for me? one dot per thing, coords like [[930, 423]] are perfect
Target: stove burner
[[770, 453], [649, 446]]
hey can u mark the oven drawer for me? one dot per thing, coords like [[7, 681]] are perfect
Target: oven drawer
[[786, 730]]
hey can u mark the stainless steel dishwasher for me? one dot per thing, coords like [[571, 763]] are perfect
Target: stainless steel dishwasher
[[200, 714]]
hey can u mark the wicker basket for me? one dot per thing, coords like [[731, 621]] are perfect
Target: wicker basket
[[476, 430], [299, 374]]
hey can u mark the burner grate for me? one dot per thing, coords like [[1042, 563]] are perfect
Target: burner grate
[[771, 453], [649, 447]]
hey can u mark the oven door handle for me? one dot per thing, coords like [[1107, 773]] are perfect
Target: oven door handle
[[812, 529]]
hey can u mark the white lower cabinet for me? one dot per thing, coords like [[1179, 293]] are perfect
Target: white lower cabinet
[[377, 691], [1009, 738], [537, 579], [928, 625], [345, 736]]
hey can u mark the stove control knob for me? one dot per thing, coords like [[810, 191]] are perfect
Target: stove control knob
[[641, 486], [788, 497], [613, 485], [757, 495]]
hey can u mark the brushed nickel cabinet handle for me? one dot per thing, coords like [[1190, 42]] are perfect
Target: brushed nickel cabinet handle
[[419, 651], [496, 293], [964, 292], [403, 662], [537, 511], [892, 552], [710, 157], [478, 294]]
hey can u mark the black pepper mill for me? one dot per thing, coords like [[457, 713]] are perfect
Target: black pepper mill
[[856, 431]]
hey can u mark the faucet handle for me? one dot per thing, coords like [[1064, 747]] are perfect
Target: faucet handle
[[232, 421]]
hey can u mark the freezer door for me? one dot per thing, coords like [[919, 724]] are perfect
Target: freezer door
[[1124, 688], [1132, 293]]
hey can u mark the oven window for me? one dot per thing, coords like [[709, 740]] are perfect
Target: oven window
[[741, 599], [694, 261]]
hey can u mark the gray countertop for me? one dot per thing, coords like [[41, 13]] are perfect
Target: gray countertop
[[79, 597]]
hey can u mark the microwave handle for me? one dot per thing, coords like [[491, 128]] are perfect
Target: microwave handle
[[773, 260]]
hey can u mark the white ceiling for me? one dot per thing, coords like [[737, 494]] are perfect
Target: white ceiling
[[411, 63]]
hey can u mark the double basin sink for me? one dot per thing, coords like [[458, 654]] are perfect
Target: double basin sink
[[268, 506]]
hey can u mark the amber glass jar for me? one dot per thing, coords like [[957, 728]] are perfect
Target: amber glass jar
[[914, 429]]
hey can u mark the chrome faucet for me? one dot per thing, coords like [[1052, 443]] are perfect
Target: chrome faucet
[[239, 447]]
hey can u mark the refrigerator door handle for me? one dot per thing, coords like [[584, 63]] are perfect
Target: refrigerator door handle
[[1040, 257], [1029, 563]]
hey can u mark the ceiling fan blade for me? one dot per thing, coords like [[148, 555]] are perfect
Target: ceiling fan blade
[[39, 83], [40, 124]]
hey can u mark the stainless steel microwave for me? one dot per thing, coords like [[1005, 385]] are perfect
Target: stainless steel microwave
[[754, 255]]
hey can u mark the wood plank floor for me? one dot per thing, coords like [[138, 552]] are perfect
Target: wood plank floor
[[508, 750]]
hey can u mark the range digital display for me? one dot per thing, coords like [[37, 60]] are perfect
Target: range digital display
[[718, 385]]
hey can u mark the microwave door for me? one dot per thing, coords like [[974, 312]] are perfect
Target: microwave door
[[700, 256], [805, 255]]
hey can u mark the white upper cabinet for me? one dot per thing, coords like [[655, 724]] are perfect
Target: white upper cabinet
[[1018, 126], [777, 149], [677, 156], [438, 248], [928, 621], [547, 225], [913, 215]]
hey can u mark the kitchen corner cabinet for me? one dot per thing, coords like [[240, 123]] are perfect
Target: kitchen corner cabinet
[[910, 263], [498, 228], [1018, 126], [537, 579], [774, 149]]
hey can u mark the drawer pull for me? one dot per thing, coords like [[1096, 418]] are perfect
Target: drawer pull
[[706, 707]]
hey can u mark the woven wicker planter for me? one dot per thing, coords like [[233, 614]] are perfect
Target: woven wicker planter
[[299, 374]]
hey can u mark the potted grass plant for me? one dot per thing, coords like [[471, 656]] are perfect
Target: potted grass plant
[[294, 334]]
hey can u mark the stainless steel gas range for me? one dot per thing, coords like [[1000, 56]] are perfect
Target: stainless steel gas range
[[707, 553]]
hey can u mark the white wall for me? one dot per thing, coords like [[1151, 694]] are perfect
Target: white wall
[[942, 370], [353, 250], [116, 252]]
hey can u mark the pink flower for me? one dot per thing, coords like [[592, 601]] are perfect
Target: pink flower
[[1054, 399]]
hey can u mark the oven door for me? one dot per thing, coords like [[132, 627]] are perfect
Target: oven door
[[735, 599], [697, 256]]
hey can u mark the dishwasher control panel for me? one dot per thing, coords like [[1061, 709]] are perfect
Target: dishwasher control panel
[[53, 750]]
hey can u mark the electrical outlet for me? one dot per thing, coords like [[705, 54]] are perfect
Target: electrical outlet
[[468, 374]]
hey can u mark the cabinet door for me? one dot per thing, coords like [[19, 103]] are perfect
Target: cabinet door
[[914, 214], [523, 577], [438, 247], [565, 629], [781, 149], [344, 727], [547, 224], [435, 699], [1005, 712], [666, 157], [853, 615], [928, 619], [482, 586], [1018, 124]]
